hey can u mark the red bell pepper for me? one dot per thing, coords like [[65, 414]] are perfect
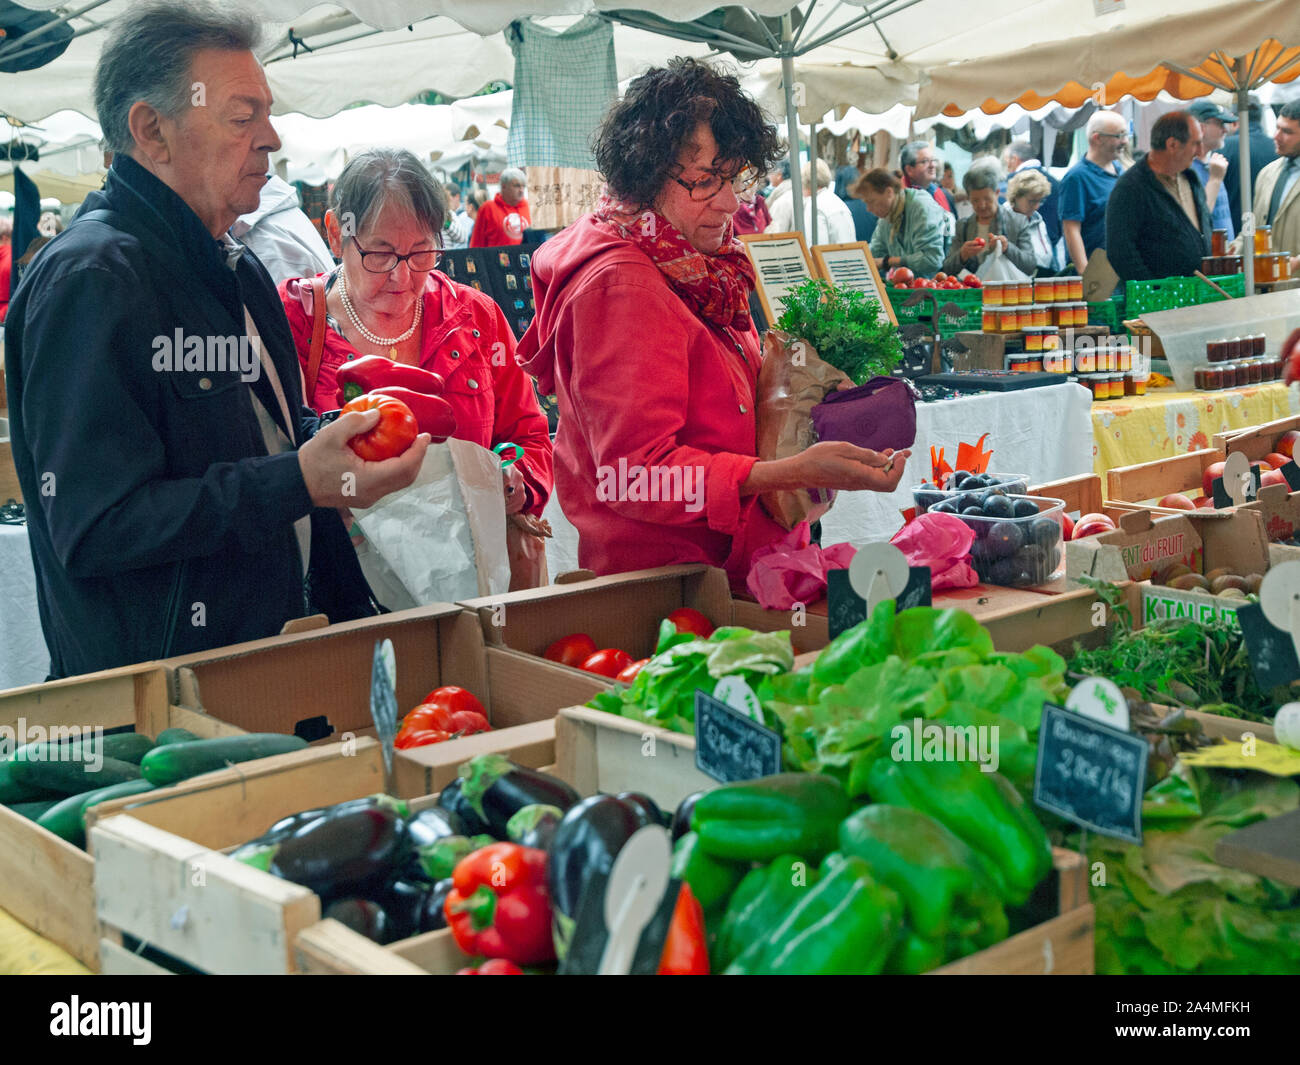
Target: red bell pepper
[[494, 967], [686, 951], [500, 906], [420, 737], [432, 413], [369, 372]]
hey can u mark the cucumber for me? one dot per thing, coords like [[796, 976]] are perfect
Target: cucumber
[[67, 819], [180, 761], [125, 746], [174, 735], [33, 810], [11, 791], [67, 769]]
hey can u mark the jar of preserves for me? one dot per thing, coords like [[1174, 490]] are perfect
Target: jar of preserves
[[1008, 319], [1283, 270], [1125, 358], [1035, 366], [992, 294], [1139, 384], [1261, 342], [1263, 240], [1200, 377], [1045, 290], [1025, 292], [1033, 339], [1076, 288], [1218, 242], [1255, 371], [989, 320], [1215, 377], [1085, 361], [1041, 315], [1051, 338]]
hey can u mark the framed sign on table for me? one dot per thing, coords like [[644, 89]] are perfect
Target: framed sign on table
[[852, 267], [780, 262]]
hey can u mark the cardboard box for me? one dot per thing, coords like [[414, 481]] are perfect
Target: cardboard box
[[317, 683], [160, 875], [46, 882]]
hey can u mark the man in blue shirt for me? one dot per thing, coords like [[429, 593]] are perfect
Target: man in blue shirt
[[1087, 186], [1210, 166]]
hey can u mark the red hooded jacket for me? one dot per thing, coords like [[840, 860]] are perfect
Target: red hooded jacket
[[467, 341], [657, 428]]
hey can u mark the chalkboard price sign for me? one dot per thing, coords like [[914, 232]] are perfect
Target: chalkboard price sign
[[1090, 773], [731, 747], [845, 608]]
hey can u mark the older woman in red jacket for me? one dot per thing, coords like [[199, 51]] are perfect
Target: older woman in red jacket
[[643, 332], [385, 222]]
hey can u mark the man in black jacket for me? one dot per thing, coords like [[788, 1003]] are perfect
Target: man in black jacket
[[1157, 221], [1261, 154], [179, 495]]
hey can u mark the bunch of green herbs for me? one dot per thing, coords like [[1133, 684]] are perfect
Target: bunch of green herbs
[[845, 326]]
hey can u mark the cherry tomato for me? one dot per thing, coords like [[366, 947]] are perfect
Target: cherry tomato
[[978, 242], [395, 432], [420, 738], [572, 650], [903, 276], [628, 675], [687, 619], [608, 663]]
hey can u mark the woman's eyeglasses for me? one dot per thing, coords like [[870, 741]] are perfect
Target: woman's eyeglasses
[[382, 262], [744, 185]]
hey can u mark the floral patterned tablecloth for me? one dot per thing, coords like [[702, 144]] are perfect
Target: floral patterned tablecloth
[[1166, 423]]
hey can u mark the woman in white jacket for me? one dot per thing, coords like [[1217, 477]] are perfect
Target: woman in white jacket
[[834, 219]]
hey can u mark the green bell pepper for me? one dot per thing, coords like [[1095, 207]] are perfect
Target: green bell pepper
[[979, 808], [712, 879], [761, 902], [944, 884], [757, 820], [914, 955], [846, 925]]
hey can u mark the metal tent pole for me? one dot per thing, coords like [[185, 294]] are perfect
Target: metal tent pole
[[791, 121], [1243, 162], [812, 180]]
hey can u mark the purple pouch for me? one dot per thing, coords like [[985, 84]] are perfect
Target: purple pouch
[[878, 415]]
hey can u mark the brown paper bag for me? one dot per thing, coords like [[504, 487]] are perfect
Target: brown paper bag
[[792, 381]]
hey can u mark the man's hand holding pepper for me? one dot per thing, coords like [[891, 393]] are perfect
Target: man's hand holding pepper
[[326, 461]]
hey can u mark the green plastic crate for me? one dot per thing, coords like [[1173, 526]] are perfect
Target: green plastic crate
[[1170, 292], [971, 300]]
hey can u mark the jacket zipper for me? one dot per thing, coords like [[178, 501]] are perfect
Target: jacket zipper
[[172, 614]]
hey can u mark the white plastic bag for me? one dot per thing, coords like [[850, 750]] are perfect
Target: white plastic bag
[[997, 267], [443, 538]]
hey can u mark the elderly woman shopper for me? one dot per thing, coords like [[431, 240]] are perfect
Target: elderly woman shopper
[[644, 334], [911, 228], [990, 225], [385, 298], [1026, 192]]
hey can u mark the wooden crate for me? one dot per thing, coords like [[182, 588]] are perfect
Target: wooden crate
[[46, 882], [160, 874], [1153, 480], [596, 751], [1255, 442]]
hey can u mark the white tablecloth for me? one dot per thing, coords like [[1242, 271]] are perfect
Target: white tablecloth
[[23, 656], [1045, 433]]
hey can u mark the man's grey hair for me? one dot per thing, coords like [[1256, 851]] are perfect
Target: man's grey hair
[[985, 174], [1100, 120], [148, 56], [377, 177], [512, 174], [911, 151], [1022, 150]]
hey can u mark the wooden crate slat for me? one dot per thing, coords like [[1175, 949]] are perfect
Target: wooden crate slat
[[200, 906], [331, 948], [1154, 480], [116, 960], [1062, 946]]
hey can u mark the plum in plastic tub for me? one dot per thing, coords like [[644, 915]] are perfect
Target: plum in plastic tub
[[1017, 551], [961, 485]]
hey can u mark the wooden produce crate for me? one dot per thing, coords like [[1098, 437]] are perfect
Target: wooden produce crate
[[316, 684], [46, 882], [160, 875], [1257, 441], [596, 751], [1150, 481]]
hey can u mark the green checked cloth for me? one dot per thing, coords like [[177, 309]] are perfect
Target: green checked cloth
[[563, 84]]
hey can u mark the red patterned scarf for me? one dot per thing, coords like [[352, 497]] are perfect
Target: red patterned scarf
[[716, 287]]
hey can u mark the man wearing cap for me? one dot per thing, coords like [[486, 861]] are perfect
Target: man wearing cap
[[1277, 189], [1210, 166]]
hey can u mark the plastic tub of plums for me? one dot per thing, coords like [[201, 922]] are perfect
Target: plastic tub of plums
[[1018, 539], [961, 482]]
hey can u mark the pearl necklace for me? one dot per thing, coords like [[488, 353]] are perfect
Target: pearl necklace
[[383, 342]]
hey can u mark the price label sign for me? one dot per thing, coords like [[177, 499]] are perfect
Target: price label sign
[[1271, 627], [731, 746], [1090, 773], [1239, 484]]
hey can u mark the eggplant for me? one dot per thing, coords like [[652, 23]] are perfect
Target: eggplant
[[497, 789], [586, 843], [647, 804], [534, 826], [433, 824], [433, 915], [287, 826], [453, 799], [363, 916], [345, 854], [403, 901], [436, 861], [682, 815]]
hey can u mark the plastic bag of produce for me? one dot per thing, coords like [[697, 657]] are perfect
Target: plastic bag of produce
[[942, 542], [792, 381], [997, 267], [793, 570]]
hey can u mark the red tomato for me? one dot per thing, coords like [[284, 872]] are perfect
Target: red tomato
[[971, 281], [941, 277], [902, 276], [628, 675], [453, 699], [978, 242], [396, 431], [420, 738], [572, 650], [608, 663], [687, 619]]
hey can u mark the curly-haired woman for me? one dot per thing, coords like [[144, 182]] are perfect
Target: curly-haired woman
[[644, 334]]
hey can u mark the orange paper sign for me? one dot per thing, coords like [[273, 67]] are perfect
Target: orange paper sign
[[973, 457]]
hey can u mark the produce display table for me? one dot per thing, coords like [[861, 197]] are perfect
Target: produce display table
[[1167, 423], [23, 655], [1044, 433]]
